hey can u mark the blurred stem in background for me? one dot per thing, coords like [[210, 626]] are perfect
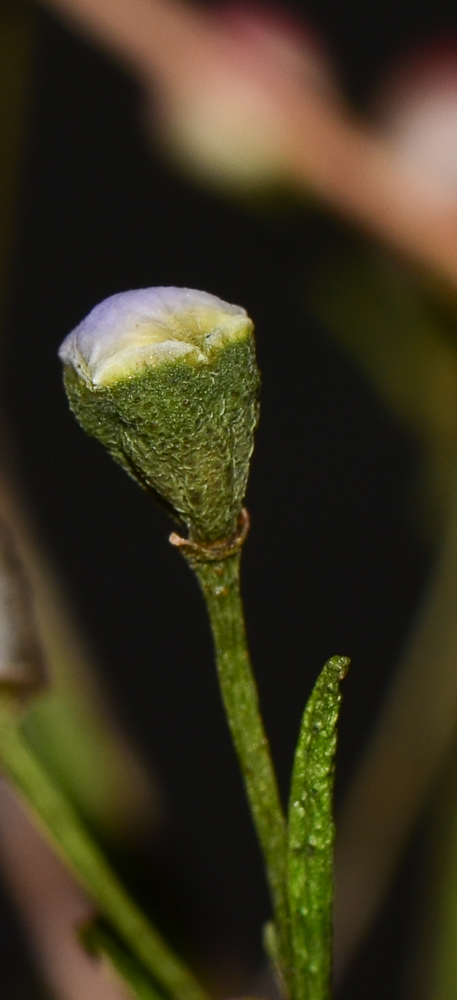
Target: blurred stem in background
[[411, 743], [434, 969], [431, 970], [405, 344], [60, 822], [51, 906], [22, 677], [70, 726], [403, 339], [212, 86]]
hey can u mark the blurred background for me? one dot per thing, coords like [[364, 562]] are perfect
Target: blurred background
[[349, 492]]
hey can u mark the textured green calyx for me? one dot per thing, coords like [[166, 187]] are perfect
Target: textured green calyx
[[166, 379]]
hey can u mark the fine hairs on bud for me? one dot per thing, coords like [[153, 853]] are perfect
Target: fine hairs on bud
[[166, 379]]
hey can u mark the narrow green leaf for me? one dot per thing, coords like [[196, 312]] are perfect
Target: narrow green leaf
[[311, 835]]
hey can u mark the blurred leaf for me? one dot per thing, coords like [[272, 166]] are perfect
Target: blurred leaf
[[378, 313], [101, 940]]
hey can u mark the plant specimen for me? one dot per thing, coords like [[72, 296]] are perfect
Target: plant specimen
[[167, 380]]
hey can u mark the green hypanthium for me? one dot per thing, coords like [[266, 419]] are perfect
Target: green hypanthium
[[167, 380]]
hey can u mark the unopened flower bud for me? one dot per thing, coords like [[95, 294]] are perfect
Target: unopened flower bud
[[166, 379]]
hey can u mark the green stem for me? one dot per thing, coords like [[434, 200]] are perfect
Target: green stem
[[220, 583], [63, 826]]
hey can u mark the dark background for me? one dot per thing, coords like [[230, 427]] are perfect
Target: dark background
[[332, 564]]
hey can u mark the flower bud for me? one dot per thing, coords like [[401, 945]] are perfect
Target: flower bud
[[166, 379]]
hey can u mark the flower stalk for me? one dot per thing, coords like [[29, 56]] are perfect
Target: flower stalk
[[217, 569], [167, 380]]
